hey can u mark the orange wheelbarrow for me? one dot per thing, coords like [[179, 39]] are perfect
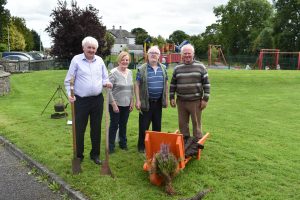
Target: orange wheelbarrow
[[154, 139]]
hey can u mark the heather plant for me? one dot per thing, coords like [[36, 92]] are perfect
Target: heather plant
[[165, 165]]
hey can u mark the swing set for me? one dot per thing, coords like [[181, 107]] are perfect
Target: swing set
[[272, 55], [216, 56]]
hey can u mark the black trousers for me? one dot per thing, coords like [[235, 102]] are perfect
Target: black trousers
[[88, 108], [146, 118], [118, 121]]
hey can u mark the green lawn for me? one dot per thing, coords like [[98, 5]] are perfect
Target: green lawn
[[252, 153]]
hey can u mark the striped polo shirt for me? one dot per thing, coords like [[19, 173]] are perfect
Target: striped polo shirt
[[190, 82], [155, 81]]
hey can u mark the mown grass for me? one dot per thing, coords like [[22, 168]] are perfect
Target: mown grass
[[252, 153]]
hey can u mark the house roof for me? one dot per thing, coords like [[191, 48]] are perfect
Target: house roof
[[120, 33], [121, 41]]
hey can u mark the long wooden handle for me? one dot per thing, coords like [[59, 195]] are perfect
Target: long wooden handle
[[73, 118], [107, 124]]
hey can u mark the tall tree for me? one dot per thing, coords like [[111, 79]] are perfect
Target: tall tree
[[197, 42], [109, 42], [264, 40], [241, 22], [287, 25], [16, 38], [140, 34], [21, 26], [4, 21], [159, 41], [37, 44], [211, 35], [69, 26], [178, 37]]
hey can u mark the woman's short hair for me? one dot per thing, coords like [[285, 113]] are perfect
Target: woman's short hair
[[90, 40], [122, 55]]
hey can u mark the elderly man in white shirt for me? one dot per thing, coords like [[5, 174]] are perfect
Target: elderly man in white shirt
[[90, 76]]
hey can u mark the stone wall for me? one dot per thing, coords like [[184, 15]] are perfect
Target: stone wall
[[4, 83], [15, 66]]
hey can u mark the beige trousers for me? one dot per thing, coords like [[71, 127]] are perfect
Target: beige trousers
[[187, 109]]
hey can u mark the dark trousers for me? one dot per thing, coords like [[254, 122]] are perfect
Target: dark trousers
[[146, 117], [118, 121], [85, 108]]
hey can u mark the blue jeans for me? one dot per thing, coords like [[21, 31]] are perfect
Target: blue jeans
[[118, 121]]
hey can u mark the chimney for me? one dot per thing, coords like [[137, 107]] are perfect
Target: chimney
[[120, 27], [113, 27]]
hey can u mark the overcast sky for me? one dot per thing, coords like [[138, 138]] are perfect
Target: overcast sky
[[157, 17]]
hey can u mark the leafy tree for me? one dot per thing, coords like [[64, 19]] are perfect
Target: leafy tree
[[4, 21], [16, 38], [178, 37], [264, 40], [197, 42], [3, 47], [241, 22], [69, 26], [109, 43], [159, 41], [287, 25], [210, 36], [140, 34], [36, 41], [141, 38], [20, 24]]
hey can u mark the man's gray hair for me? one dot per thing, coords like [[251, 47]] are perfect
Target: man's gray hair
[[90, 40], [154, 49], [187, 46]]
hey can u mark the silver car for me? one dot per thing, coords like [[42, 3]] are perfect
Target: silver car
[[16, 58]]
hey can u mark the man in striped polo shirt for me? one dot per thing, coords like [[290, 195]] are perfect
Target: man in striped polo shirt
[[151, 90], [192, 88]]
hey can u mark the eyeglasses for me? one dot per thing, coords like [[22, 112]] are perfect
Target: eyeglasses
[[153, 53]]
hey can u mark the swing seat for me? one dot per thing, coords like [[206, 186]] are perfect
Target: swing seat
[[154, 139]]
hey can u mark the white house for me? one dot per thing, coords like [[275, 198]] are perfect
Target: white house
[[124, 39]]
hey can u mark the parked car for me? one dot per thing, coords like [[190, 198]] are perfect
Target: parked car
[[4, 54], [16, 58], [37, 55]]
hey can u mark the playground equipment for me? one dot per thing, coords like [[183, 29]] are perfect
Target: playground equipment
[[274, 60], [147, 45], [170, 53], [154, 139], [220, 58], [178, 48]]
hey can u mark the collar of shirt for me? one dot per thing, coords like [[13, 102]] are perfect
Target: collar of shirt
[[85, 59]]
